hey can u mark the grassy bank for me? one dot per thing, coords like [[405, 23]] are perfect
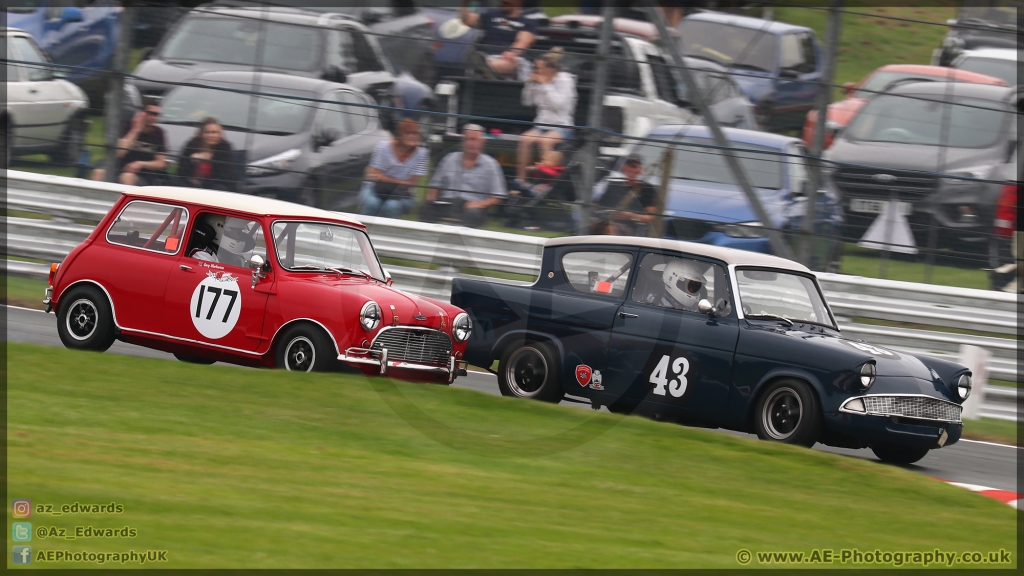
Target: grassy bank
[[228, 467]]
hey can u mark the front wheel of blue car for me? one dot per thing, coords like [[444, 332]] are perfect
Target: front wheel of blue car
[[530, 370], [788, 411]]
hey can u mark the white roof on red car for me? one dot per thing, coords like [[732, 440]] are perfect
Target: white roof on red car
[[727, 255], [256, 205]]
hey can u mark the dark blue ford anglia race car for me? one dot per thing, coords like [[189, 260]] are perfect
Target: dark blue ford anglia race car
[[707, 336]]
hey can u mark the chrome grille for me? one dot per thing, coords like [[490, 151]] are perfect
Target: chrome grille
[[913, 407], [414, 345], [861, 182]]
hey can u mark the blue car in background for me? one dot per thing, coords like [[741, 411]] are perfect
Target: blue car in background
[[703, 202], [777, 65], [80, 37]]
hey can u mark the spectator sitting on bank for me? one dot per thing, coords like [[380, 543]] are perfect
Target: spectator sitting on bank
[[141, 153], [553, 92], [207, 160], [395, 168], [466, 183], [626, 204], [506, 34]]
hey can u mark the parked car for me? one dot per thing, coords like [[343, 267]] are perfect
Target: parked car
[[295, 147], [729, 105], [218, 276], [42, 112], [707, 336], [703, 202], [897, 143], [980, 24], [777, 65], [280, 40], [998, 62], [82, 35], [640, 94], [857, 94]]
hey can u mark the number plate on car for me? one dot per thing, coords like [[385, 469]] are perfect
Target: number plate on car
[[866, 206]]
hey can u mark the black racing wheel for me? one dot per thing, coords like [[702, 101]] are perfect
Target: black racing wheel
[[530, 370], [305, 348], [85, 320], [788, 411]]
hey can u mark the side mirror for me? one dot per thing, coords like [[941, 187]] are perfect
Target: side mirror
[[705, 307], [256, 263], [387, 278], [335, 74], [71, 14], [325, 137]]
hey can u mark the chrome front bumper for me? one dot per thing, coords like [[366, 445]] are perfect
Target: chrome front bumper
[[48, 299], [379, 358]]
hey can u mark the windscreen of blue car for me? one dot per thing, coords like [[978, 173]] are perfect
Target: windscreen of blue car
[[702, 162], [732, 46], [246, 42], [272, 115], [967, 123]]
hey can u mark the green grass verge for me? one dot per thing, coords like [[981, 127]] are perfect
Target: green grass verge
[[992, 430], [25, 292], [861, 262], [229, 467]]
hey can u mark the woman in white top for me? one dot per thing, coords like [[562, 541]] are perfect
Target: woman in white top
[[553, 92]]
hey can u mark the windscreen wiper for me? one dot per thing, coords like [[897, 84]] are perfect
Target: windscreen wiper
[[771, 317]]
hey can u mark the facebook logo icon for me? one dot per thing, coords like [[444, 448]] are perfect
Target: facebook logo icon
[[22, 555]]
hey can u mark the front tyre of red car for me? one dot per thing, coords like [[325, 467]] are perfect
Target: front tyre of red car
[[902, 455], [84, 319], [788, 411], [530, 370], [305, 348]]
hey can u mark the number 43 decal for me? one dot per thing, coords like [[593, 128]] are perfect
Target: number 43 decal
[[660, 376]]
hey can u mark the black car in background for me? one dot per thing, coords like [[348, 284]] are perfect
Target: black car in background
[[331, 47], [926, 144], [292, 146], [980, 24]]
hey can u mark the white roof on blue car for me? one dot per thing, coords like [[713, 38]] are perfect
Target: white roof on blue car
[[727, 255]]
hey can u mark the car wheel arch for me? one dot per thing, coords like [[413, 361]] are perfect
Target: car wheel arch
[[110, 300], [275, 340], [525, 335], [775, 376]]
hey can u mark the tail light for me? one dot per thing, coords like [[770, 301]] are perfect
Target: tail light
[[53, 272], [1006, 212]]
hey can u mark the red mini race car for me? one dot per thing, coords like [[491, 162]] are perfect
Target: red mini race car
[[192, 272]]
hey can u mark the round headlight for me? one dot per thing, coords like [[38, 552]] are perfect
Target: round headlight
[[462, 327], [963, 386], [369, 316], [867, 374]]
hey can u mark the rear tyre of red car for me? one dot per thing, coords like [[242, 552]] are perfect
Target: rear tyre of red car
[[193, 359], [84, 320], [893, 454], [788, 411], [305, 348], [530, 370]]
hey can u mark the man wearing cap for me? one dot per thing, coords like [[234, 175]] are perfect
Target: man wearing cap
[[507, 33], [626, 203], [466, 184]]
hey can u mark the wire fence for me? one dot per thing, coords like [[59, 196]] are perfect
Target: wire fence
[[924, 176]]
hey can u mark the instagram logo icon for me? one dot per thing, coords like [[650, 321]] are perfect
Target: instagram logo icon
[[21, 509]]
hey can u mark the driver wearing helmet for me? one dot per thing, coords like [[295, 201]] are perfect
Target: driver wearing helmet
[[235, 241], [684, 285], [203, 235]]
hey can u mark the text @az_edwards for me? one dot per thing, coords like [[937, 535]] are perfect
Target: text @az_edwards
[[877, 557]]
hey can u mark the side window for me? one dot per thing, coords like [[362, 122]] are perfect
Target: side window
[[680, 283], [810, 58], [366, 58], [226, 240], [663, 81], [598, 273], [28, 52], [13, 71], [791, 53], [149, 226], [797, 168], [359, 117], [333, 117]]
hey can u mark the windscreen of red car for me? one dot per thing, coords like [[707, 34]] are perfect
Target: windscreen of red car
[[320, 245]]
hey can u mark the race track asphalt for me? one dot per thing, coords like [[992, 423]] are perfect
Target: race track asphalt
[[971, 462]]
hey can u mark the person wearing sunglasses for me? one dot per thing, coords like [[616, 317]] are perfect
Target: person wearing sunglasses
[[142, 152]]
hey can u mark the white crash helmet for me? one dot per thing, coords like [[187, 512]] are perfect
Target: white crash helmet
[[684, 282], [236, 238]]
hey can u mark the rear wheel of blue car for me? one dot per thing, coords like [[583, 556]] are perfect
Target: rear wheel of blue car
[[788, 411], [893, 454], [530, 370]]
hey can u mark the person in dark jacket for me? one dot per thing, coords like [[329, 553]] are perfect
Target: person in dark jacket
[[207, 160]]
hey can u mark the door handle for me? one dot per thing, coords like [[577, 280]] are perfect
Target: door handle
[[627, 315], [184, 267]]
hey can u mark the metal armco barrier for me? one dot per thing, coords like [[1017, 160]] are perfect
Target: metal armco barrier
[[444, 252]]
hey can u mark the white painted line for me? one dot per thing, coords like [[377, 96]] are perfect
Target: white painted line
[[991, 443], [481, 372], [23, 308]]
